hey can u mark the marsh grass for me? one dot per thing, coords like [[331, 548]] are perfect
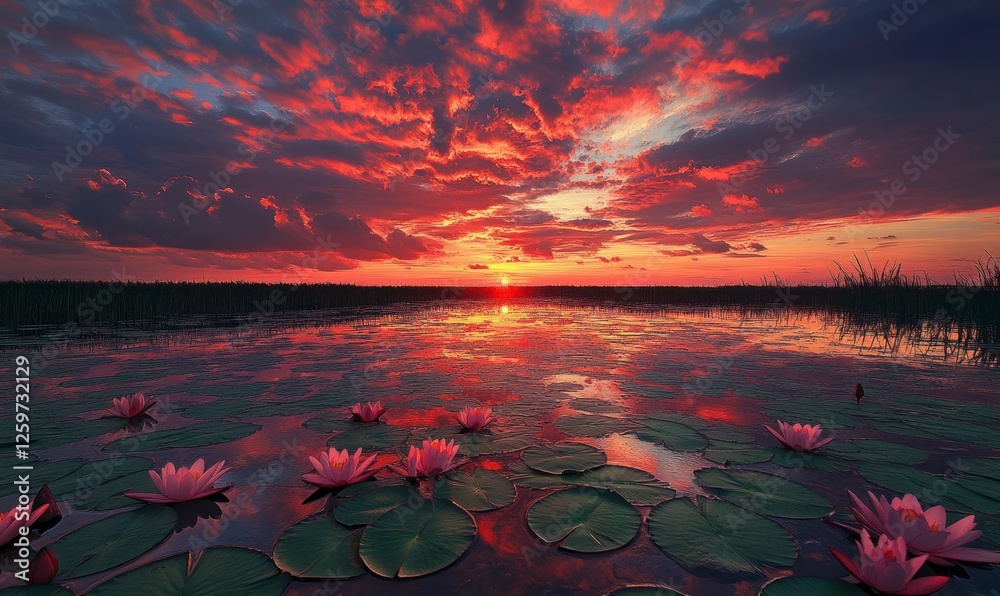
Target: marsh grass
[[863, 290]]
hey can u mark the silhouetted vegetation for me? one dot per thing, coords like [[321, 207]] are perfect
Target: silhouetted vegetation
[[865, 292]]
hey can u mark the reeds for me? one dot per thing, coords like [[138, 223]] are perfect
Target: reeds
[[864, 290]]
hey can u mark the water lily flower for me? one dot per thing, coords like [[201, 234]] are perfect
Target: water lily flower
[[925, 532], [177, 485], [44, 567], [335, 469], [433, 457], [368, 411], [12, 522], [799, 437], [884, 566], [131, 406], [475, 418]]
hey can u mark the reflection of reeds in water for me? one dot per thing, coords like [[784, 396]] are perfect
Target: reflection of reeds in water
[[962, 317]]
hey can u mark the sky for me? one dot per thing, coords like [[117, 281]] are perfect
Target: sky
[[611, 142]]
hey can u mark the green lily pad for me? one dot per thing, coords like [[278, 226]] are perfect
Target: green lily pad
[[727, 453], [492, 443], [319, 547], [930, 489], [330, 423], [814, 586], [482, 490], [44, 472], [871, 450], [195, 435], [113, 541], [764, 493], [672, 435], [360, 488], [584, 519], [720, 537], [369, 436], [237, 570], [987, 467], [526, 477], [369, 506], [636, 486], [37, 590], [100, 485], [563, 457], [415, 540], [591, 425]]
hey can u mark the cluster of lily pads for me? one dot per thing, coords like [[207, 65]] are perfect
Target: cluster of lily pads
[[422, 519]]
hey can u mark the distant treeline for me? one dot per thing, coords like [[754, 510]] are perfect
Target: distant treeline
[[26, 304]]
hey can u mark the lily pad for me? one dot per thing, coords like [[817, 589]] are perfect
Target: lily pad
[[369, 436], [720, 537], [584, 519], [814, 586], [239, 570], [594, 426], [319, 547], [492, 442], [415, 540], [330, 423], [100, 485], [360, 488], [672, 435], [36, 590], [871, 450], [44, 472], [930, 489], [636, 486], [113, 541], [726, 453], [369, 506], [482, 490], [563, 457], [764, 493], [195, 435]]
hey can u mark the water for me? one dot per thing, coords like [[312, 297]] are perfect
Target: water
[[536, 363]]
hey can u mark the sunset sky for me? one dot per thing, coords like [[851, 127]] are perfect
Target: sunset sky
[[568, 141]]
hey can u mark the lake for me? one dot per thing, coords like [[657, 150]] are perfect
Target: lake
[[672, 401]]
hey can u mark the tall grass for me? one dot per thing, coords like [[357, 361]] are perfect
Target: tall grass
[[862, 289]]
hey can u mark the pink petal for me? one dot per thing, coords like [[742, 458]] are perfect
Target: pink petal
[[924, 585]]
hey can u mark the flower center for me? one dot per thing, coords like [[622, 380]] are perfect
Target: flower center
[[889, 556], [909, 515]]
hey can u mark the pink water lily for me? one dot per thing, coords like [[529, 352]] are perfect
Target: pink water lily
[[368, 411], [131, 406], [925, 532], [475, 418], [44, 567], [884, 566], [177, 485], [799, 437], [335, 469], [12, 521], [433, 457]]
